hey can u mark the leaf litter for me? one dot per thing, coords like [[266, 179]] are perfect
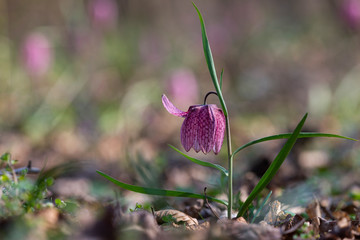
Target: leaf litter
[[324, 218], [302, 212], [312, 215]]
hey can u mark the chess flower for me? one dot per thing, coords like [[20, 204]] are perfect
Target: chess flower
[[203, 127]]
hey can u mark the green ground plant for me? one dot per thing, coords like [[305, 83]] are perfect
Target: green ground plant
[[24, 198], [20, 194], [228, 173]]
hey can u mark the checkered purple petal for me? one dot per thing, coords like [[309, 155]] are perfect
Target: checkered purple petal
[[220, 124], [189, 129], [206, 130], [203, 128]]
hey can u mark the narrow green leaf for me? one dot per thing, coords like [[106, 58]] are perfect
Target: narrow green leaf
[[221, 78], [261, 207], [274, 167], [202, 163], [287, 135], [210, 62], [159, 192]]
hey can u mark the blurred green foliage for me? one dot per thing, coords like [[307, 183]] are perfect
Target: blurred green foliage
[[26, 208], [19, 194]]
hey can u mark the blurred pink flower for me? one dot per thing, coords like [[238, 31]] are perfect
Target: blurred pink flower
[[37, 54], [203, 127], [351, 12], [104, 13], [182, 87]]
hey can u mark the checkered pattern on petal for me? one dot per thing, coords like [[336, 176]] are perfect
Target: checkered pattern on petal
[[206, 130], [220, 125], [203, 128], [189, 129]]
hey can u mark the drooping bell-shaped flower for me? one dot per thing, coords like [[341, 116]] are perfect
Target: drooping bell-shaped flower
[[203, 127]]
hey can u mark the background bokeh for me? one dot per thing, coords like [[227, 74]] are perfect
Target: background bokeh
[[82, 81]]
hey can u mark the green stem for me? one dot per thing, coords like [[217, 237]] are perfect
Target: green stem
[[230, 160], [212, 70]]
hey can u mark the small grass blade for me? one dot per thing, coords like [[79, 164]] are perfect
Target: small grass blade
[[274, 167], [202, 163], [261, 207], [159, 192], [287, 135]]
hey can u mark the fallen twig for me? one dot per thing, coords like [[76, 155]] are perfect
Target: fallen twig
[[29, 170]]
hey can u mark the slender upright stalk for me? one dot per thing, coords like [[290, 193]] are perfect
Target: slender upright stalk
[[230, 160], [212, 70]]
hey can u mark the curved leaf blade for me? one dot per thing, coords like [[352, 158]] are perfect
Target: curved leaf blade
[[287, 135], [274, 167], [261, 207], [159, 192], [210, 62], [202, 163]]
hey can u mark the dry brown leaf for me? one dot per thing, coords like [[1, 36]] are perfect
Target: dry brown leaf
[[177, 215], [232, 229], [275, 214], [314, 213], [340, 228], [339, 215], [290, 226], [241, 220], [139, 223], [193, 207]]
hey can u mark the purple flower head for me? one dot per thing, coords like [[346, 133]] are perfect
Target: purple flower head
[[351, 13], [182, 87], [203, 127], [37, 54], [104, 13]]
